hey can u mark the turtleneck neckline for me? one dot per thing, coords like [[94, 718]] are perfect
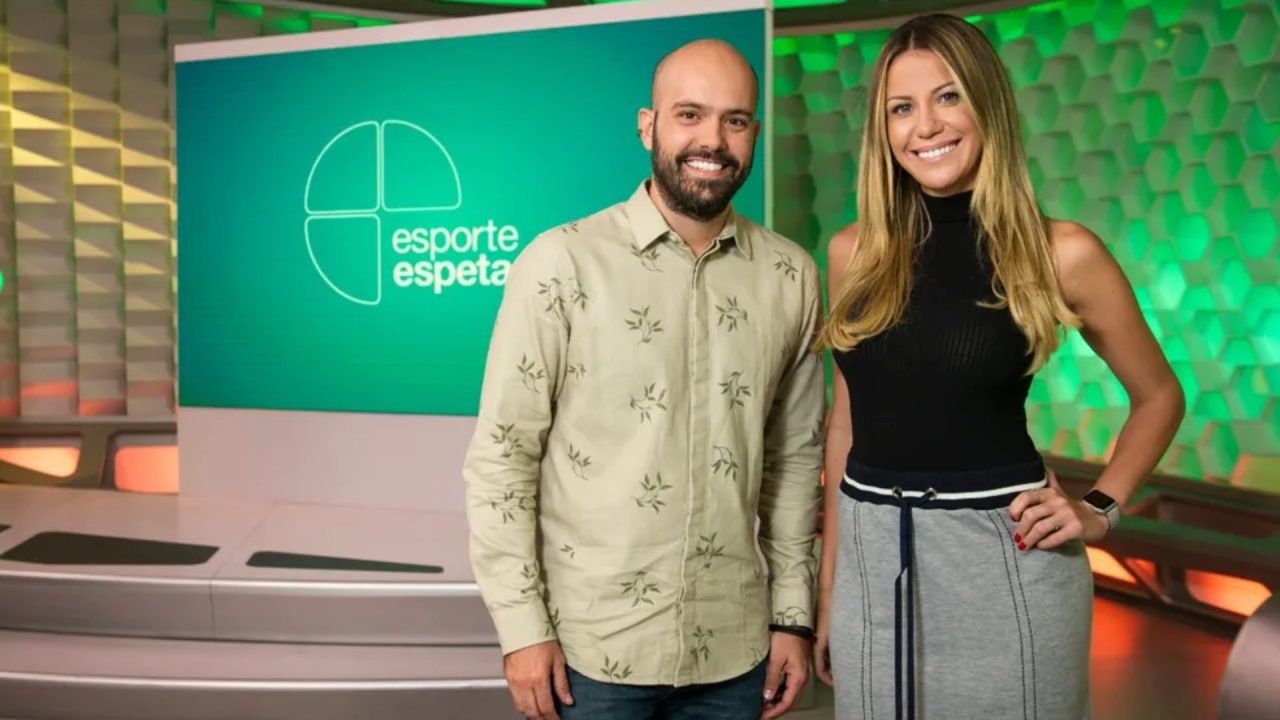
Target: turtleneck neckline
[[949, 209]]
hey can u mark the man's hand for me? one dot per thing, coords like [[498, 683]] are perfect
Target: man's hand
[[530, 672], [789, 656]]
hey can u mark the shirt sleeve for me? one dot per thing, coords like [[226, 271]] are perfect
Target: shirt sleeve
[[502, 467], [790, 490]]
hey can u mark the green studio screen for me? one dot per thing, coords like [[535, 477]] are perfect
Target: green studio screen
[[314, 186]]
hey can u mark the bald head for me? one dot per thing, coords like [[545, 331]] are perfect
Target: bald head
[[703, 62]]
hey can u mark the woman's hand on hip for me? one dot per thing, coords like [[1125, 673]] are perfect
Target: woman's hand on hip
[[1048, 517]]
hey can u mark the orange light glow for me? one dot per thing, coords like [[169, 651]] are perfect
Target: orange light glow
[[1105, 564], [50, 389], [59, 461], [1143, 566], [147, 469], [93, 408], [1235, 594], [1116, 637]]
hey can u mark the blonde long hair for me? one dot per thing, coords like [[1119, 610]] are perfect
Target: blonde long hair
[[891, 213]]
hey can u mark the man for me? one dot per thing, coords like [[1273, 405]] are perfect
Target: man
[[650, 391]]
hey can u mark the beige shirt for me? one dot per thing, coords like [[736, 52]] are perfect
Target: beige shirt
[[641, 408]]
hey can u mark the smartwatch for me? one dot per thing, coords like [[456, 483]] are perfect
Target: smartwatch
[[1104, 505]]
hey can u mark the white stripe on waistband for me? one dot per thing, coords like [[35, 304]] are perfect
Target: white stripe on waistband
[[971, 495]]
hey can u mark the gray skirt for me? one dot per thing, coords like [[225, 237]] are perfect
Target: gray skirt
[[998, 632]]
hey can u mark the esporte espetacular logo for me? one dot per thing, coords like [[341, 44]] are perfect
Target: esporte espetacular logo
[[379, 200]]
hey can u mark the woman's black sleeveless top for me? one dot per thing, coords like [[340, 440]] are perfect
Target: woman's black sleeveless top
[[945, 389]]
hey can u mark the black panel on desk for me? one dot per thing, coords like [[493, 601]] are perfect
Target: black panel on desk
[[68, 548], [298, 561]]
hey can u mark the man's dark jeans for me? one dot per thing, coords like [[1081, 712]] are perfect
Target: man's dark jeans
[[740, 698]]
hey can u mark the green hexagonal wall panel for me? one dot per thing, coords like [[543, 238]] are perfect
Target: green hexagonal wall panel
[[1208, 106], [1257, 36], [1269, 94], [1198, 188], [1258, 233], [1189, 52], [1259, 135]]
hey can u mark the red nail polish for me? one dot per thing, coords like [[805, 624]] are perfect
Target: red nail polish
[[1017, 537], [1022, 546]]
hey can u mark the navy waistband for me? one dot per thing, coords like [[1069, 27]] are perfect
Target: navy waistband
[[985, 489]]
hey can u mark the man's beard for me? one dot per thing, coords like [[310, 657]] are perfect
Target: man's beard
[[701, 199]]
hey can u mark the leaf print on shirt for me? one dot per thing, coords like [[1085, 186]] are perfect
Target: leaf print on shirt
[[509, 504], [731, 314], [612, 671], [553, 622], [734, 388], [579, 370], [568, 550], [648, 402], [756, 656], [502, 436], [532, 579], [652, 488], [700, 650], [784, 264], [707, 550], [530, 378], [724, 462], [639, 589], [648, 258], [791, 616], [642, 323], [576, 296], [562, 294], [580, 462], [552, 292]]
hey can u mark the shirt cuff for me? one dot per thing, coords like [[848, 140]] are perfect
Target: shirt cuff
[[520, 626], [793, 606]]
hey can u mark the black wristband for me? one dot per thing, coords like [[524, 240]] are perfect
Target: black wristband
[[798, 630]]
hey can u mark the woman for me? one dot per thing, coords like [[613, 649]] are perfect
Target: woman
[[957, 584]]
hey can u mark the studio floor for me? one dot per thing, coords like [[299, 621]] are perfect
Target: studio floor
[[1147, 664]]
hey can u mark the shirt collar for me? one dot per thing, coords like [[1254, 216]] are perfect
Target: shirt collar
[[648, 226]]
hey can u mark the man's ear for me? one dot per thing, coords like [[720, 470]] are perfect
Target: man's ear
[[644, 127]]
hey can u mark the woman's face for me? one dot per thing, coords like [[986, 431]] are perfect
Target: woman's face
[[932, 131]]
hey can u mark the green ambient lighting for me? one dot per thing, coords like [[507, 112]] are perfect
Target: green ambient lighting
[[1153, 123]]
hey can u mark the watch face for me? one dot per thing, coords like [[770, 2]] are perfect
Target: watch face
[[1099, 500]]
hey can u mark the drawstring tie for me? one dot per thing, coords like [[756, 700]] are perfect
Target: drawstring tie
[[904, 603]]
